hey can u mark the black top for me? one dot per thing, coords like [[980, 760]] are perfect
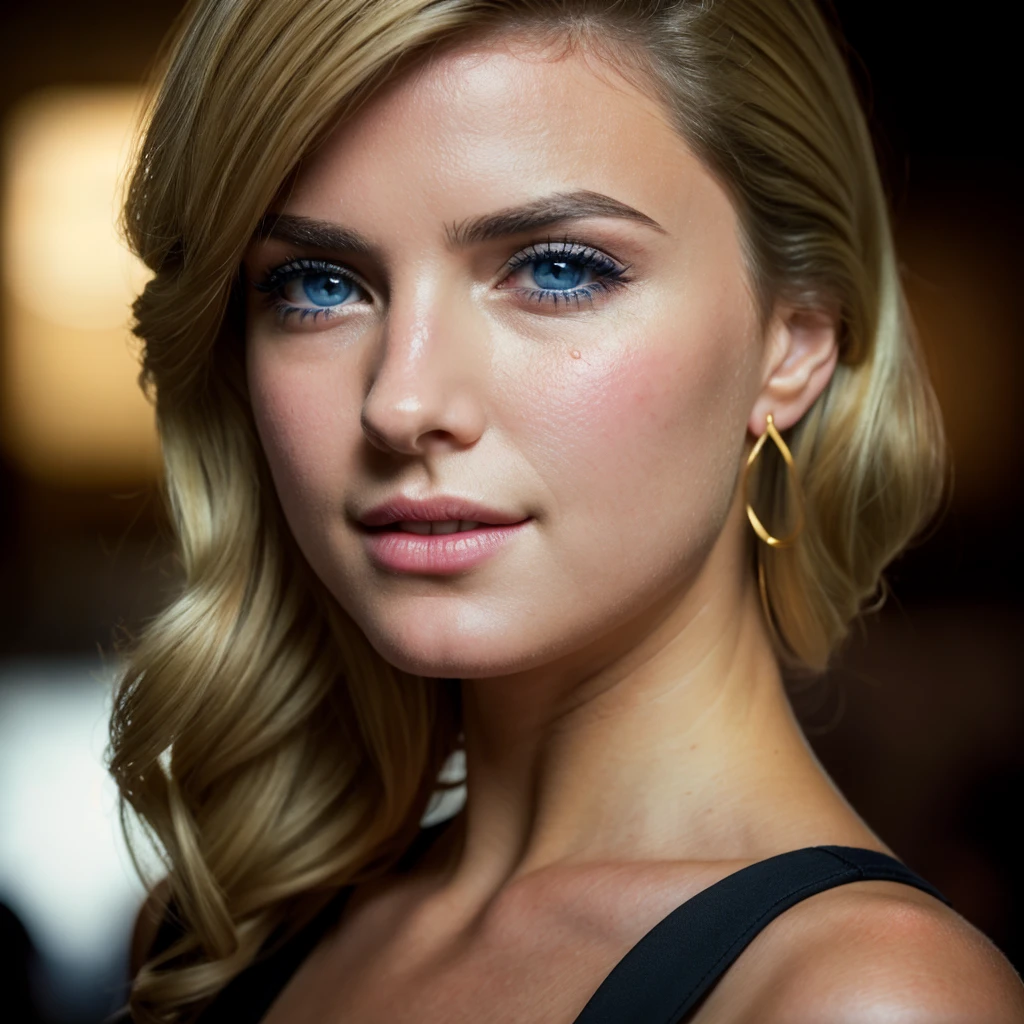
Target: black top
[[663, 977]]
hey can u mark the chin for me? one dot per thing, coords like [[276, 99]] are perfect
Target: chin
[[446, 657], [450, 649]]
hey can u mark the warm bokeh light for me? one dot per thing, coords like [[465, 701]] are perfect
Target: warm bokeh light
[[70, 407]]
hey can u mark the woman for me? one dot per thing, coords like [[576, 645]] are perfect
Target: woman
[[480, 335]]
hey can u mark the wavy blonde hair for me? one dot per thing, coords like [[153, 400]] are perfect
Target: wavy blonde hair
[[271, 753]]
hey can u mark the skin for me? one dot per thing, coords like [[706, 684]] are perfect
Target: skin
[[627, 734]]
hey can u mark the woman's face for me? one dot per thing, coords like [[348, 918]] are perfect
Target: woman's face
[[509, 283]]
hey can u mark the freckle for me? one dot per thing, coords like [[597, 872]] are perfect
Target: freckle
[[575, 353]]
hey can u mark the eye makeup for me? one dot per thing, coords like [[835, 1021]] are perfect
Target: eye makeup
[[562, 272]]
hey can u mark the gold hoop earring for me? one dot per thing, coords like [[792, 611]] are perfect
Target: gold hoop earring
[[787, 457]]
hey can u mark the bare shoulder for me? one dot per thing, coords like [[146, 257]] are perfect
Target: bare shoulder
[[879, 952]]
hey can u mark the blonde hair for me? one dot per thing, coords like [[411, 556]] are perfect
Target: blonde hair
[[272, 754]]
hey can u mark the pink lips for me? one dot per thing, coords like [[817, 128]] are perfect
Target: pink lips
[[439, 554]]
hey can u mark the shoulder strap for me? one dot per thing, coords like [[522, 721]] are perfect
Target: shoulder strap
[[678, 961], [250, 994]]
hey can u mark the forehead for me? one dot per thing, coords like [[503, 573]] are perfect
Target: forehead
[[485, 121]]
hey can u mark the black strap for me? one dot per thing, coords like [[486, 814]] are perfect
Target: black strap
[[249, 995], [668, 972]]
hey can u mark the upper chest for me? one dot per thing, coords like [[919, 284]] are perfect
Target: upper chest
[[542, 957], [537, 953]]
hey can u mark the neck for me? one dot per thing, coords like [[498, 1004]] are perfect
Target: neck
[[672, 739]]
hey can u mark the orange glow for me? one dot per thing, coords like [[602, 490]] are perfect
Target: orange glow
[[70, 408]]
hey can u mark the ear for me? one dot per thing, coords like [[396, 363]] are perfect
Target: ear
[[801, 351]]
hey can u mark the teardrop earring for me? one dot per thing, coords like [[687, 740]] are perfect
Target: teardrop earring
[[798, 501]]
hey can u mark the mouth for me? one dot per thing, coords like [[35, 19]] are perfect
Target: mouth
[[440, 514], [443, 535], [430, 527]]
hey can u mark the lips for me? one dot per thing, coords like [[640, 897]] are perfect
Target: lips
[[435, 527], [441, 536], [436, 510]]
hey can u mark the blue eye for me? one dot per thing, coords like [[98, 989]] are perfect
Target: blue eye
[[560, 275], [309, 289], [325, 289], [559, 269], [561, 272]]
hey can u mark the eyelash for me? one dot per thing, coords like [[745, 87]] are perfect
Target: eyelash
[[610, 276]]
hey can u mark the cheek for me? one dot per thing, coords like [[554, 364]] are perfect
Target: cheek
[[302, 415], [649, 430]]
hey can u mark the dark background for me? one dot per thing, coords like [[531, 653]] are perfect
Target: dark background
[[920, 722]]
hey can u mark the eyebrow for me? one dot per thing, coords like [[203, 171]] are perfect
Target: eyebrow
[[539, 213], [513, 220]]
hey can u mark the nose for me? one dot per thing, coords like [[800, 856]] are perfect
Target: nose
[[426, 388]]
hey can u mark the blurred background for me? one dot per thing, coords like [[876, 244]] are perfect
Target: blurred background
[[920, 722]]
